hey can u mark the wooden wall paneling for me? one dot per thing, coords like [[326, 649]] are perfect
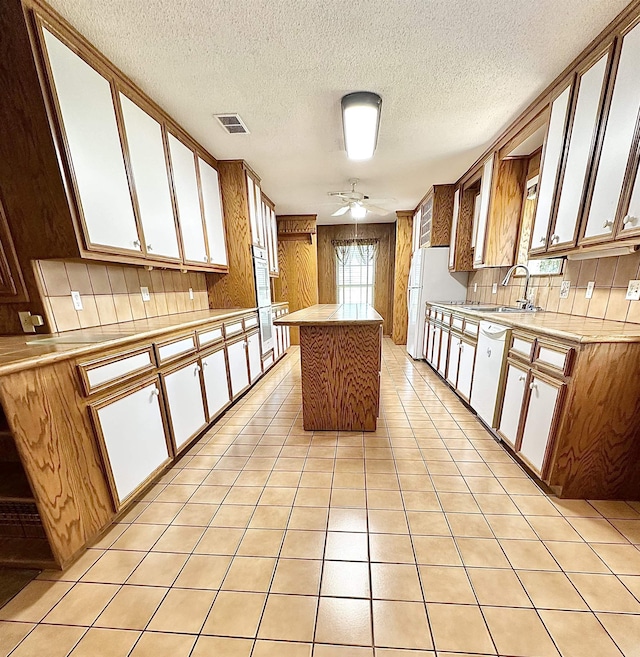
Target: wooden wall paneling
[[463, 256], [597, 452], [55, 439], [404, 234], [383, 289], [298, 261], [442, 215], [506, 210], [237, 289]]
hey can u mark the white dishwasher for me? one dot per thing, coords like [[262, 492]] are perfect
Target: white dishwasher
[[490, 356]]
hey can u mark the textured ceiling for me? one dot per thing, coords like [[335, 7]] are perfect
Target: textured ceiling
[[452, 74]]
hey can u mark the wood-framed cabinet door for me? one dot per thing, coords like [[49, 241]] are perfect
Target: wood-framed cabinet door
[[550, 168], [465, 368], [132, 437], [238, 366], [590, 88], [84, 101], [630, 224], [185, 403], [545, 397], [515, 389], [455, 343], [213, 214], [255, 356], [434, 350], [216, 383], [444, 352], [187, 195], [147, 156], [484, 203]]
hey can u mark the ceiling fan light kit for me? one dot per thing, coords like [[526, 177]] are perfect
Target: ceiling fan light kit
[[360, 123]]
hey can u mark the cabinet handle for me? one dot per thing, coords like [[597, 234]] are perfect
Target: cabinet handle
[[205, 364], [607, 223], [196, 369], [461, 346], [629, 219], [206, 259], [543, 240], [155, 392], [149, 247], [489, 352], [533, 386], [555, 238], [136, 243], [522, 378]]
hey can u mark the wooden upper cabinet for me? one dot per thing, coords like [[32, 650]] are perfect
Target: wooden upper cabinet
[[185, 184], [551, 160], [213, 215], [617, 161], [481, 211], [436, 215], [145, 144], [84, 101]]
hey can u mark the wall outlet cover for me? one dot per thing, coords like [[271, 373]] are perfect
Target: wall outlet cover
[[494, 288], [191, 293], [564, 289], [589, 293], [633, 291], [144, 291], [77, 299]]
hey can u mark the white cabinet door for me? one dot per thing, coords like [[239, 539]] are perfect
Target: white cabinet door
[[632, 218], [213, 216], [514, 390], [435, 346], [275, 266], [183, 164], [444, 347], [454, 360], [454, 229], [238, 369], [426, 339], [553, 147], [287, 338], [581, 138], [537, 425], [618, 138], [465, 369], [216, 387], [483, 211], [255, 356], [89, 122], [185, 402], [134, 437], [151, 180]]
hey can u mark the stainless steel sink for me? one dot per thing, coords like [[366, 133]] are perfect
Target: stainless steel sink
[[499, 309]]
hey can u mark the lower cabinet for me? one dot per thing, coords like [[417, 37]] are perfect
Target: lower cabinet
[[133, 436], [238, 367], [434, 346], [185, 402], [465, 368], [444, 348], [455, 343], [255, 356], [216, 385], [514, 391]]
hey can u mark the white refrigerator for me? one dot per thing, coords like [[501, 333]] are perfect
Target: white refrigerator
[[430, 280]]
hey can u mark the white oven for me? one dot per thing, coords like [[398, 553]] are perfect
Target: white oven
[[263, 298]]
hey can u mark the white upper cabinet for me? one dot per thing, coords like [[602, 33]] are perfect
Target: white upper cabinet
[[618, 141], [90, 127], [183, 163], [151, 180], [549, 175], [454, 228], [483, 211], [213, 217], [581, 138], [632, 218]]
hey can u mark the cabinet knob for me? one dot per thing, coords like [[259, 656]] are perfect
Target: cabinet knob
[[461, 346], [136, 243], [629, 219], [155, 392], [533, 386], [555, 238], [607, 223], [205, 364]]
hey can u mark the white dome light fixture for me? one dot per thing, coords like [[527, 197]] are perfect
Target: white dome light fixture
[[360, 123], [358, 211]]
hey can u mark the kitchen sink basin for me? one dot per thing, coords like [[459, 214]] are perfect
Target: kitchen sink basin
[[500, 309]]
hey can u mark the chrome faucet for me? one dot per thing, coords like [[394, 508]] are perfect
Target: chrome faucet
[[524, 304]]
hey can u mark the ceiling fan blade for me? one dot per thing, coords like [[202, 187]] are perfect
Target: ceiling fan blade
[[340, 211], [376, 210]]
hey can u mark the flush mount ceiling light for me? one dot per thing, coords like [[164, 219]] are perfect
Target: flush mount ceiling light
[[360, 122], [358, 211]]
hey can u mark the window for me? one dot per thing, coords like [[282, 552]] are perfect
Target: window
[[355, 270]]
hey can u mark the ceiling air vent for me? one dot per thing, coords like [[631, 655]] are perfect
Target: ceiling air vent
[[232, 123]]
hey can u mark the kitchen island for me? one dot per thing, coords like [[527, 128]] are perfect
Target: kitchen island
[[340, 355]]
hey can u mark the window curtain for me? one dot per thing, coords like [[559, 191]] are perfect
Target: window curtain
[[355, 251], [355, 269]]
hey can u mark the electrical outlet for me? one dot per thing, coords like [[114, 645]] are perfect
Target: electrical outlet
[[144, 291], [77, 300], [564, 289], [475, 287], [494, 288], [191, 293], [633, 291], [589, 293]]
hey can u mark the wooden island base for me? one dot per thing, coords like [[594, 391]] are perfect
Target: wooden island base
[[340, 356]]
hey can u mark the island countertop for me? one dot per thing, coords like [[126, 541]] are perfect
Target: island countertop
[[330, 314]]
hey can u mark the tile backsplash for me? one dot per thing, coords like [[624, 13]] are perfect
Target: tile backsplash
[[611, 276], [111, 293]]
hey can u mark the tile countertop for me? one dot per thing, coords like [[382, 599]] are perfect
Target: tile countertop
[[556, 325], [328, 314], [22, 352]]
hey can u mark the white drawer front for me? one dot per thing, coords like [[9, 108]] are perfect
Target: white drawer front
[[250, 322], [457, 322], [522, 346], [176, 348], [552, 357], [213, 335], [233, 328], [120, 368], [471, 329]]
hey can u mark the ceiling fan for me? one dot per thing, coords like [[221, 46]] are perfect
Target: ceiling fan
[[357, 202]]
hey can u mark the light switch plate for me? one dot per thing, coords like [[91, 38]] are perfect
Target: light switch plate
[[633, 291], [191, 293], [494, 288], [77, 299], [564, 289], [589, 293], [144, 291]]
